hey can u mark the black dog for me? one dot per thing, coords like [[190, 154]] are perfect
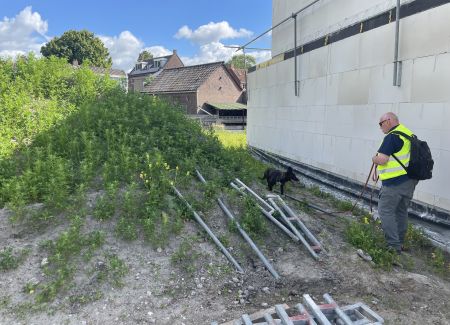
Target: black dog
[[273, 176]]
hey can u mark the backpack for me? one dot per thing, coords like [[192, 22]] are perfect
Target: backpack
[[420, 162]]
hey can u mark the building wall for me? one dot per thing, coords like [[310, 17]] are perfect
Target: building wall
[[136, 83], [188, 100], [174, 62], [346, 86], [219, 88]]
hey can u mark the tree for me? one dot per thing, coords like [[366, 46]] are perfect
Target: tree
[[78, 45], [145, 55], [238, 61]]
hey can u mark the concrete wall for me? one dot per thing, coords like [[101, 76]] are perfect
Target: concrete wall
[[346, 86]]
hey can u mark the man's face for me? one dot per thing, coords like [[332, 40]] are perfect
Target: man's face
[[385, 124]]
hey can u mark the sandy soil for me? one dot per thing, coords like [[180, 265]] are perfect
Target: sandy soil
[[157, 292]]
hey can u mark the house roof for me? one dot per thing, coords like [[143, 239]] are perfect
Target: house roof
[[182, 79], [237, 73], [228, 106], [149, 65]]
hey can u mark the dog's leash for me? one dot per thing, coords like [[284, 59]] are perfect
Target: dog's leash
[[373, 173]]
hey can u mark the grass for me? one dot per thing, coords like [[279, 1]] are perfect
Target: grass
[[63, 259], [368, 235], [185, 257], [232, 139], [10, 260]]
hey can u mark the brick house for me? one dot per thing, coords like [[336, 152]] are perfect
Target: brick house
[[193, 87], [139, 76]]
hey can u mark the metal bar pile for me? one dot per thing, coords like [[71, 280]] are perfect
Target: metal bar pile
[[290, 223], [247, 238], [310, 313], [210, 233]]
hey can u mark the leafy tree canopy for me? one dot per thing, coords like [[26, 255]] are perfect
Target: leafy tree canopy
[[78, 45], [145, 55], [238, 61]]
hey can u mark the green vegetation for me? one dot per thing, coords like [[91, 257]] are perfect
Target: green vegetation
[[232, 139], [78, 45], [114, 270], [252, 220], [74, 144], [64, 253], [242, 61], [145, 55], [185, 256], [38, 94], [368, 235], [9, 260]]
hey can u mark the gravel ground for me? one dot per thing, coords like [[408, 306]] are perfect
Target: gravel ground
[[156, 291]]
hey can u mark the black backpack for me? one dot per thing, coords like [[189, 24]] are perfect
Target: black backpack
[[420, 162]]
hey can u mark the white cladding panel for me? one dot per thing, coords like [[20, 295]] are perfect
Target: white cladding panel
[[346, 86]]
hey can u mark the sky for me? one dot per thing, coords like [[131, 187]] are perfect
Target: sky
[[197, 29]]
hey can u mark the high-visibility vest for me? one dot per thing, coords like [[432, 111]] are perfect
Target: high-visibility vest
[[392, 168]]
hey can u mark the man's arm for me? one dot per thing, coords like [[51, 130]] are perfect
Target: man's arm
[[380, 158]]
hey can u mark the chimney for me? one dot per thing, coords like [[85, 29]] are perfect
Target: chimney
[[174, 52]]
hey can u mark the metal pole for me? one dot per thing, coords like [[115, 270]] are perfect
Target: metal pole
[[268, 214], [210, 233], [294, 229], [281, 22], [255, 195], [243, 233], [255, 248], [295, 55], [315, 310], [300, 223], [397, 64]]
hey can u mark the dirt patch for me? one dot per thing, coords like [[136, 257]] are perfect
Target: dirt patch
[[158, 291]]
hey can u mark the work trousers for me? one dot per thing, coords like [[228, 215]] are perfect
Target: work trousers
[[393, 210]]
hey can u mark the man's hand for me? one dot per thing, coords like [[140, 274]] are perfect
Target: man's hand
[[380, 159]]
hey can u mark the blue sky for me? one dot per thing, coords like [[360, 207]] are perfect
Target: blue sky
[[198, 29]]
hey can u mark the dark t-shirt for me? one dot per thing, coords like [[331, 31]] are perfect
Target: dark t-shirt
[[392, 144]]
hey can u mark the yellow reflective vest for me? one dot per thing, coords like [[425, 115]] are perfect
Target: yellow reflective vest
[[392, 168]]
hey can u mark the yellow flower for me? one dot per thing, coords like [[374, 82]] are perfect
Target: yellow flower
[[31, 291], [176, 168], [171, 183], [366, 220], [187, 173]]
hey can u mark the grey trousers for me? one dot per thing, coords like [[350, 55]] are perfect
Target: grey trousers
[[393, 210]]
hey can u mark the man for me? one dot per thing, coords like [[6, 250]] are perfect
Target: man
[[397, 188]]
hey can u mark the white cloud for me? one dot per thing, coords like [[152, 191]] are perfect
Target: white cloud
[[124, 49], [211, 33], [24, 33], [216, 51], [158, 51]]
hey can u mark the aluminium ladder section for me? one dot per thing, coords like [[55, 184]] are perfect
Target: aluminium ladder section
[[247, 238], [267, 211], [306, 237], [293, 232], [310, 313]]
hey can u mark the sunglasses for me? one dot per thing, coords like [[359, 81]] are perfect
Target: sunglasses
[[381, 123]]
